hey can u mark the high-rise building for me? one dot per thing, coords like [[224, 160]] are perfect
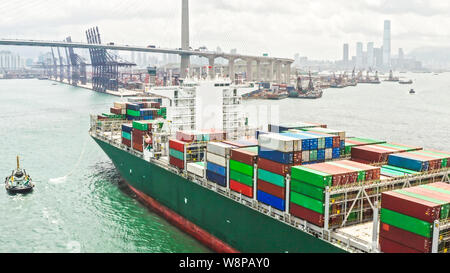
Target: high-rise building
[[387, 43], [359, 55], [378, 56], [370, 56], [345, 55]]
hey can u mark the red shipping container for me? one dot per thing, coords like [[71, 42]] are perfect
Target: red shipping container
[[405, 238], [341, 176], [337, 142], [372, 173], [414, 207], [126, 142], [177, 145], [176, 162], [99, 117], [275, 167], [389, 246], [306, 214], [429, 193], [272, 189], [116, 111], [241, 188], [298, 158], [185, 136], [243, 156], [372, 153], [138, 147]]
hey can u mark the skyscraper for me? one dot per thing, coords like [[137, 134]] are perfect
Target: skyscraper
[[345, 55], [359, 55], [370, 55], [387, 43]]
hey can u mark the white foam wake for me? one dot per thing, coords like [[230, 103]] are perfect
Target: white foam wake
[[58, 180]]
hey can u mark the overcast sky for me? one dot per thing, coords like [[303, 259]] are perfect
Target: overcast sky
[[316, 29]]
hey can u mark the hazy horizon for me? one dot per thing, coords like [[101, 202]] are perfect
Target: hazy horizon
[[316, 29]]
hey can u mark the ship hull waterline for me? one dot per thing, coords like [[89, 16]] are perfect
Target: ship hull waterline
[[207, 215]]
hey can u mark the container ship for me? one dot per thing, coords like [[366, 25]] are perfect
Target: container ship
[[298, 187]]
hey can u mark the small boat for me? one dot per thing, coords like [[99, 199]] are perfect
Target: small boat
[[19, 181], [412, 91], [405, 82]]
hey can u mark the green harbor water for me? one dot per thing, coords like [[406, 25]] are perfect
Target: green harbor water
[[79, 203]]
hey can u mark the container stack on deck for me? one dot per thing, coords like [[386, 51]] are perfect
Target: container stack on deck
[[339, 133], [176, 153], [144, 110], [351, 142], [216, 162], [407, 217], [278, 128], [317, 147], [277, 154], [127, 129], [242, 170], [378, 153], [308, 183], [120, 108]]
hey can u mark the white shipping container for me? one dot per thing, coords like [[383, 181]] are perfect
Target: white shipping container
[[121, 105], [197, 168], [279, 143], [305, 156], [328, 153], [219, 148], [216, 159]]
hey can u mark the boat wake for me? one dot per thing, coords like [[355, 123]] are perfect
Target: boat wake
[[58, 180], [62, 179]]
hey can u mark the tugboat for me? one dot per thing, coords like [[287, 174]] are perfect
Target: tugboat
[[412, 91], [19, 181]]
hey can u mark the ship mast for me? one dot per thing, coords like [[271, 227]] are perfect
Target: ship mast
[[18, 165]]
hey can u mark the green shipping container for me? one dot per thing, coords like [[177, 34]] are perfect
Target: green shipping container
[[242, 168], [307, 202], [133, 113], [406, 222], [242, 178], [313, 155], [139, 125], [406, 171], [176, 154], [307, 189], [271, 177], [126, 135], [313, 177]]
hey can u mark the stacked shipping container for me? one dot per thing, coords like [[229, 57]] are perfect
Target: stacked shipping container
[[308, 183], [407, 217], [378, 153], [242, 170], [351, 142], [216, 162], [277, 154]]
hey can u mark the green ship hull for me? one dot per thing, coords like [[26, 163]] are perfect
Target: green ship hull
[[235, 224]]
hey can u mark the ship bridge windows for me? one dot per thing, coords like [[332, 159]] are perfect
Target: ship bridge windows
[[221, 84]]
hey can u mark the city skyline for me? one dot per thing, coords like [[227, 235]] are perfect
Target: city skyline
[[246, 26]]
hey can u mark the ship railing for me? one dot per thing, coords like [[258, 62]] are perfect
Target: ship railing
[[359, 198]]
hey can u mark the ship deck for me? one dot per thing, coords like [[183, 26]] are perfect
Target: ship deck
[[354, 237]]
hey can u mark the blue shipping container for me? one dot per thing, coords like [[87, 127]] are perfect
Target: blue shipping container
[[285, 158], [216, 178], [336, 153], [127, 128], [321, 154], [216, 168], [402, 161], [271, 200]]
